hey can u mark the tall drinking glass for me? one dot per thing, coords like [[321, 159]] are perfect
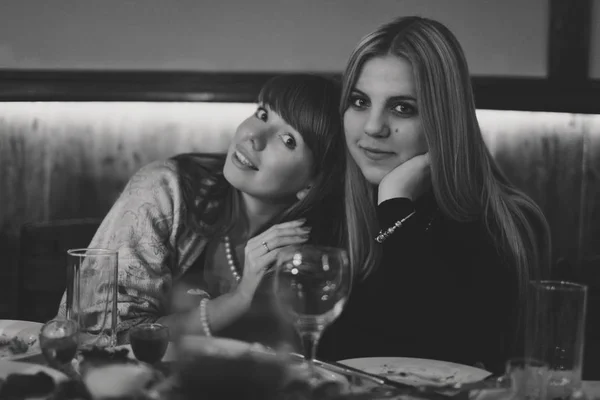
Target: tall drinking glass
[[312, 285], [523, 379], [555, 333], [528, 377], [92, 279]]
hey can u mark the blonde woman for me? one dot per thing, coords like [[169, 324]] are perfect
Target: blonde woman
[[458, 241]]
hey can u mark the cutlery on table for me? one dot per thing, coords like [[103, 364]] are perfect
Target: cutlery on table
[[429, 391]]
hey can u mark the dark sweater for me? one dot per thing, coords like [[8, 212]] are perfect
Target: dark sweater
[[441, 292]]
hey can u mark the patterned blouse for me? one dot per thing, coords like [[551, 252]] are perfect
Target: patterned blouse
[[155, 243]]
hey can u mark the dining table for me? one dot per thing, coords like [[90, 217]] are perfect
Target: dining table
[[32, 360]]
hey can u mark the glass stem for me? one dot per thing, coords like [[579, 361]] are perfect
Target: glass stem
[[310, 341]]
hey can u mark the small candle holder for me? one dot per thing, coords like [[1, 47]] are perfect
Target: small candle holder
[[149, 342]]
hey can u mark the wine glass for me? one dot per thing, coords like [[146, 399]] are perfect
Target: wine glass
[[59, 342], [312, 284]]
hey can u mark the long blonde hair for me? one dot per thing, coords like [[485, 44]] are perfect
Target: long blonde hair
[[467, 182]]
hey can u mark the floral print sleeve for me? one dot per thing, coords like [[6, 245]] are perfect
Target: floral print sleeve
[[142, 225]]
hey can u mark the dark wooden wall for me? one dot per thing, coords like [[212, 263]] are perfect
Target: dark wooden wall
[[551, 157]]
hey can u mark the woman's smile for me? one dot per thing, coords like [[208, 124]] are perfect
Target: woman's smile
[[241, 160]]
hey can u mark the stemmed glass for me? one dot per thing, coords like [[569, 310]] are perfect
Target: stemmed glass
[[312, 284]]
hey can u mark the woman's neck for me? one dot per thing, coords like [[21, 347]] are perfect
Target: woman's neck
[[259, 212]]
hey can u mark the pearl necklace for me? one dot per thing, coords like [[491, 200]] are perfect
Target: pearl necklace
[[230, 259]]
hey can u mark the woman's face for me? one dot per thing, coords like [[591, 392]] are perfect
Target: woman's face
[[382, 122], [267, 158]]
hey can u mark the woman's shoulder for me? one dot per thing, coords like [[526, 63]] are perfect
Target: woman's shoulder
[[178, 169], [153, 176], [199, 163]]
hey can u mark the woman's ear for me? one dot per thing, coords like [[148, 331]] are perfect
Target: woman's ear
[[303, 193]]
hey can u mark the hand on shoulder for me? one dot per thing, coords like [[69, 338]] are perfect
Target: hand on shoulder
[[410, 179]]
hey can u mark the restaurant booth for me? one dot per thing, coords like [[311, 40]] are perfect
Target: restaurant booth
[[70, 141]]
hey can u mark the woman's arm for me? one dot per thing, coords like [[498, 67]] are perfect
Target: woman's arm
[[220, 312], [142, 226], [217, 313], [356, 332], [458, 289], [455, 291]]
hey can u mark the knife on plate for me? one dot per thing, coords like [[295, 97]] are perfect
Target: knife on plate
[[398, 387], [443, 391]]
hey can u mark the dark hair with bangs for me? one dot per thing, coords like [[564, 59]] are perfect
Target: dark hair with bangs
[[310, 104]]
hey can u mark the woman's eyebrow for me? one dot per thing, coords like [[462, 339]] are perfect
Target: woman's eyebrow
[[356, 91], [402, 97], [393, 98]]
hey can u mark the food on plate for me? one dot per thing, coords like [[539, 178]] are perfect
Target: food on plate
[[14, 345], [419, 375], [99, 355], [96, 357]]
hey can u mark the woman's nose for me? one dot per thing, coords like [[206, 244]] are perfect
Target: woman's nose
[[376, 125], [258, 138]]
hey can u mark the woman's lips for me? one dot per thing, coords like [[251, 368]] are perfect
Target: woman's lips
[[242, 161], [375, 154]]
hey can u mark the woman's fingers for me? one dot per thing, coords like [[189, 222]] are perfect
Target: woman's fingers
[[276, 243], [269, 260], [261, 251], [284, 240], [277, 238], [265, 260], [280, 256]]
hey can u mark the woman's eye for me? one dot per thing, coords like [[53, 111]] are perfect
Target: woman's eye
[[404, 109], [358, 102], [289, 140], [261, 114]]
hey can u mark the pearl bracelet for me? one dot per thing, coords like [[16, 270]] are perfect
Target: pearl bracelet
[[383, 234], [204, 318]]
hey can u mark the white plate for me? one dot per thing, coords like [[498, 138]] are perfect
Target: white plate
[[25, 330], [418, 371]]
